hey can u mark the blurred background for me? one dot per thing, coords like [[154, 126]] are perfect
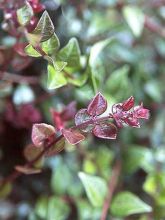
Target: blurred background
[[132, 63]]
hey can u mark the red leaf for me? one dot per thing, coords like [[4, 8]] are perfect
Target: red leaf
[[57, 119], [97, 106], [105, 130], [128, 104], [73, 137], [42, 133], [27, 170], [82, 116], [69, 111]]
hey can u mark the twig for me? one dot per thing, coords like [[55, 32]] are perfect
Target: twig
[[111, 188], [14, 78], [154, 27]]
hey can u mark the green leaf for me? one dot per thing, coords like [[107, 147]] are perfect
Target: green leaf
[[51, 46], [71, 53], [97, 49], [95, 188], [135, 19], [95, 62], [55, 76], [24, 14], [30, 51], [126, 203], [5, 190], [51, 208], [138, 157], [43, 31]]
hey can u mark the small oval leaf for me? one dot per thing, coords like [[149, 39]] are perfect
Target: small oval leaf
[[42, 133], [126, 203], [72, 136], [97, 106], [82, 116], [105, 130]]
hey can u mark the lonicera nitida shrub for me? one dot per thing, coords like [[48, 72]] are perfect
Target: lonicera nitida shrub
[[73, 75]]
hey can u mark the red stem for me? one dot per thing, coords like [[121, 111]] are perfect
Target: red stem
[[111, 189]]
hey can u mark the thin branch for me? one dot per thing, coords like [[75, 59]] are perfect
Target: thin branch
[[111, 189], [151, 25], [14, 78], [30, 164]]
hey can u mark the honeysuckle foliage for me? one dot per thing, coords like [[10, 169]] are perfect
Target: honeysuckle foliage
[[64, 65], [98, 157]]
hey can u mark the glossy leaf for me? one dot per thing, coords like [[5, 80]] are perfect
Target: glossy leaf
[[135, 19], [30, 51], [126, 203], [42, 133], [128, 104], [70, 53], [24, 14], [43, 31], [95, 187], [55, 76], [82, 116], [105, 130], [97, 106], [72, 136], [52, 45], [27, 170]]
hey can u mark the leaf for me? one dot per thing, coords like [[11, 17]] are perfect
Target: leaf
[[71, 53], [52, 45], [27, 170], [24, 14], [126, 203], [42, 133], [30, 51], [56, 148], [95, 187], [51, 208], [43, 31], [72, 136], [31, 152], [97, 106], [55, 76], [5, 190], [135, 19], [82, 116], [105, 130]]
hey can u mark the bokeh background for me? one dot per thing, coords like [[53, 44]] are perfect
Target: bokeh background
[[133, 63]]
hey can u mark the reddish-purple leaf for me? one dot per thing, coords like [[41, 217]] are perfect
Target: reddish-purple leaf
[[141, 112], [128, 104], [82, 117], [56, 148], [42, 134], [27, 170], [97, 106], [57, 119], [72, 136], [105, 130], [69, 111], [132, 121]]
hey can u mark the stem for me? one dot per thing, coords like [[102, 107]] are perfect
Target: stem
[[14, 78], [29, 164], [111, 189]]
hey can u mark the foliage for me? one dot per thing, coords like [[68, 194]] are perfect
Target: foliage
[[73, 75]]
